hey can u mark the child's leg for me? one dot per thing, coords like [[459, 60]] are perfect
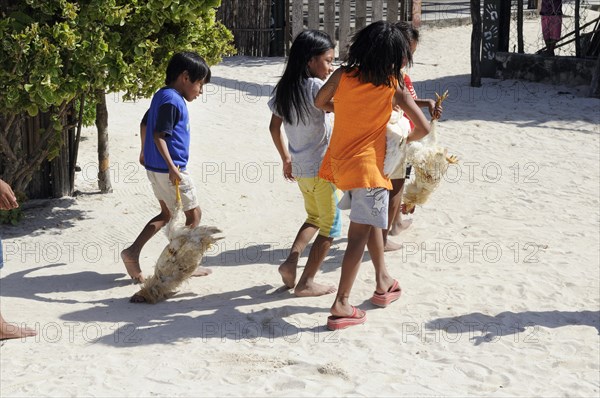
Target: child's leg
[[393, 214], [383, 279], [368, 214], [193, 214], [328, 217], [288, 268], [358, 235], [193, 217], [306, 285], [397, 225], [131, 255]]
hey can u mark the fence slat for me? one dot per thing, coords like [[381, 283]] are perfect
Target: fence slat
[[361, 14], [297, 18], [286, 32], [416, 13], [377, 10], [313, 15], [392, 10], [329, 18], [344, 28]]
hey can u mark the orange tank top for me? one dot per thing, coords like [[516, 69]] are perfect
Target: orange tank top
[[354, 158]]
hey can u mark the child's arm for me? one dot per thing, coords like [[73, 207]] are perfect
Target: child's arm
[[278, 140], [403, 98], [161, 145], [434, 111], [324, 98], [143, 138], [8, 200]]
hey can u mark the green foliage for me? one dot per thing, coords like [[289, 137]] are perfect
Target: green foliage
[[55, 51], [12, 216]]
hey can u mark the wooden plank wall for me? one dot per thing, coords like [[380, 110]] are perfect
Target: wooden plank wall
[[251, 21], [341, 18]]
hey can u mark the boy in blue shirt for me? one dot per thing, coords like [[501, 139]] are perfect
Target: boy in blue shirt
[[165, 150]]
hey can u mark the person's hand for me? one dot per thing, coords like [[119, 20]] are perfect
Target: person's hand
[[434, 111], [8, 200], [287, 170], [174, 175], [142, 158]]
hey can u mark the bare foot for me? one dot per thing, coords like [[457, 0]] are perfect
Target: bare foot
[[400, 226], [391, 246], [202, 271], [313, 289], [288, 274], [12, 331], [132, 265], [137, 298]]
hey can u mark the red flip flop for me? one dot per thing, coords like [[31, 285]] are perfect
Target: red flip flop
[[358, 317], [384, 299]]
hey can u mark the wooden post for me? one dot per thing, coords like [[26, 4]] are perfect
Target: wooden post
[[287, 30], [376, 10], [520, 27], [361, 15], [297, 18], [416, 13], [279, 16], [392, 11], [476, 43], [314, 15], [595, 86], [577, 28], [490, 36], [344, 28], [504, 10], [329, 18]]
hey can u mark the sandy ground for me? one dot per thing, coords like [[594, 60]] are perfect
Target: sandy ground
[[500, 270]]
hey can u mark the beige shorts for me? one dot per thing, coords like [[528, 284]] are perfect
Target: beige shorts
[[165, 191]]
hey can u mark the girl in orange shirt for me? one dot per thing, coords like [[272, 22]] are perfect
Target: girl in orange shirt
[[362, 93]]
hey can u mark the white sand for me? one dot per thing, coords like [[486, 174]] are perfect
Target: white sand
[[500, 270]]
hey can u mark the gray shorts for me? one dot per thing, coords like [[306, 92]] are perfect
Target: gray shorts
[[367, 206]]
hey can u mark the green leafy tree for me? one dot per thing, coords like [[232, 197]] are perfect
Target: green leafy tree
[[60, 54]]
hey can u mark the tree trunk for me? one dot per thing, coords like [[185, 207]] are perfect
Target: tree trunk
[[103, 158], [476, 43], [75, 149]]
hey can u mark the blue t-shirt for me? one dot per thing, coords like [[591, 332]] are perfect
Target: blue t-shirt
[[168, 114]]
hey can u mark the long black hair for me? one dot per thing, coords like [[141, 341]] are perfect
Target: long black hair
[[377, 54], [291, 101]]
